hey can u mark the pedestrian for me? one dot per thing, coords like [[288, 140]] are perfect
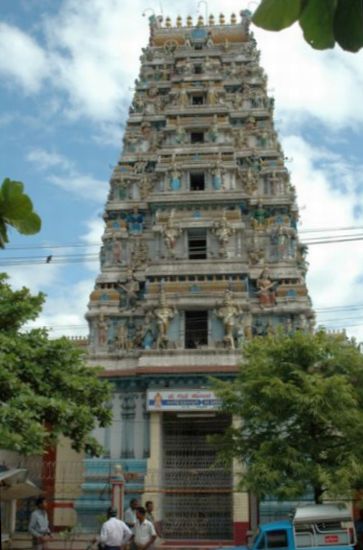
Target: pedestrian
[[39, 525], [144, 530], [114, 532], [130, 513], [149, 507]]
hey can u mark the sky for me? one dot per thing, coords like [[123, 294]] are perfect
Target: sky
[[67, 70]]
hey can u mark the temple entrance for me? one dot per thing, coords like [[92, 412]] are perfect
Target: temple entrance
[[197, 494]]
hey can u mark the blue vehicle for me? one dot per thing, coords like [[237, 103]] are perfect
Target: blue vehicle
[[313, 527]]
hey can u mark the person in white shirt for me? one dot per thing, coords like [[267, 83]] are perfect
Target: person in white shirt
[[39, 525], [114, 532], [144, 530], [130, 513]]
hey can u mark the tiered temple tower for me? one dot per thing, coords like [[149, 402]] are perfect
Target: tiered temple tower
[[200, 253]]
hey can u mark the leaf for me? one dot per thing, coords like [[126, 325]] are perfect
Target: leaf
[[274, 15], [28, 225], [16, 209], [348, 24], [316, 22]]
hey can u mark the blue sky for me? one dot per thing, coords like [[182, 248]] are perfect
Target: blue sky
[[67, 69]]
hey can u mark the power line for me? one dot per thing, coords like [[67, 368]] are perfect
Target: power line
[[50, 246]]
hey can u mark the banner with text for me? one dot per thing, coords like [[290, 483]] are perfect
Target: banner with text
[[182, 400]]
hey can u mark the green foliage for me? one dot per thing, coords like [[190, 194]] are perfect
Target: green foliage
[[16, 210], [299, 399], [46, 389], [324, 22]]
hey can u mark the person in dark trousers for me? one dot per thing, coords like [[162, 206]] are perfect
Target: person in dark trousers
[[39, 525], [114, 532]]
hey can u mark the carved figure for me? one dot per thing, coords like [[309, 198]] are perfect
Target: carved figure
[[180, 133], [140, 253], [250, 124], [145, 187], [210, 42], [228, 312], [265, 289], [116, 251], [223, 230], [135, 221], [175, 182], [148, 337], [212, 96], [256, 256], [102, 328], [170, 233], [217, 176], [131, 288], [260, 216], [163, 314], [183, 99], [187, 68], [122, 336]]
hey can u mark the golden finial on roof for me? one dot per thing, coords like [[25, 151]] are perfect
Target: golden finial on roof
[[179, 21], [200, 21], [168, 22], [189, 21], [221, 19], [233, 19], [211, 19]]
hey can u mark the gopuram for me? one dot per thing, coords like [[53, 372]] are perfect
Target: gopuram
[[200, 253]]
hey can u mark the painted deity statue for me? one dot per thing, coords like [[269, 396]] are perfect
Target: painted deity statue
[[266, 289], [131, 288], [170, 233], [223, 231], [228, 312], [102, 328], [163, 314], [135, 221], [175, 182]]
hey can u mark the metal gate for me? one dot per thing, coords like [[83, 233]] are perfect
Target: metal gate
[[197, 493]]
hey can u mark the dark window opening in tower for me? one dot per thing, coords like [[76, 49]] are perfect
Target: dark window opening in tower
[[198, 69], [196, 329], [197, 137], [198, 99], [197, 244], [197, 181]]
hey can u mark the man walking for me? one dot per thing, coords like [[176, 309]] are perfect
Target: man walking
[[114, 532], [144, 530], [39, 525]]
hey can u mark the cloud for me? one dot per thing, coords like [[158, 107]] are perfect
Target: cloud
[[44, 159], [63, 313], [324, 85], [84, 186], [22, 59], [334, 276], [92, 237], [92, 55], [68, 177], [95, 55]]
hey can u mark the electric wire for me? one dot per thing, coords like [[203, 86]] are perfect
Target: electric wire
[[92, 257]]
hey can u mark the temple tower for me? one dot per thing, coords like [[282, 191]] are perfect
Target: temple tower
[[200, 253]]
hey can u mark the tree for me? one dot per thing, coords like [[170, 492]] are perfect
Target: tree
[[299, 399], [324, 22], [16, 210], [46, 388]]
